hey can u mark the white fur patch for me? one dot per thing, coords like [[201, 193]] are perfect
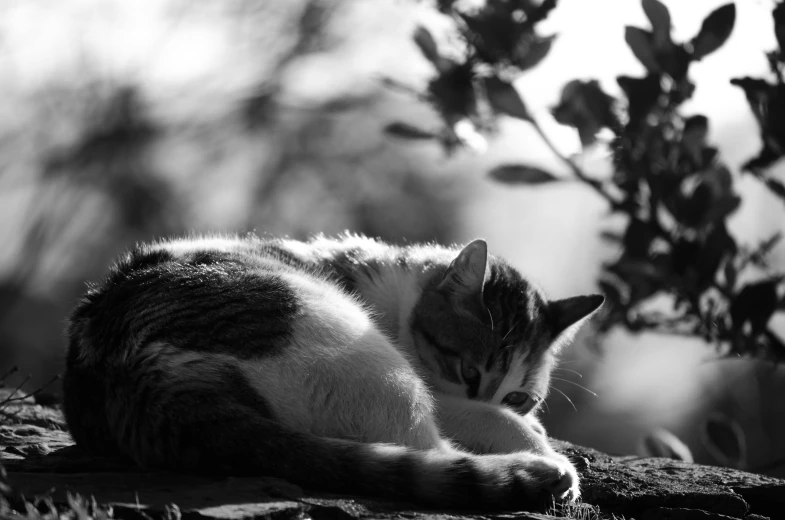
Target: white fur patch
[[341, 377], [395, 291], [512, 381]]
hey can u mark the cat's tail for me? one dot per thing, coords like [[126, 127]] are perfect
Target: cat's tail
[[435, 478]]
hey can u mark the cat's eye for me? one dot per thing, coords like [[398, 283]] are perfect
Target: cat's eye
[[521, 401], [469, 372], [515, 399]]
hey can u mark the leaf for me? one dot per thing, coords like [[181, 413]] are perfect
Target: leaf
[[535, 52], [765, 247], [767, 103], [675, 61], [755, 304], [640, 269], [642, 94], [521, 174], [504, 98], [407, 131], [660, 20], [641, 43], [444, 6], [705, 198], [724, 439], [542, 11], [717, 246], [779, 24], [693, 138], [494, 33], [663, 443], [684, 255], [731, 274], [715, 30], [611, 237], [426, 43], [758, 92], [584, 106], [638, 238], [452, 92], [776, 187]]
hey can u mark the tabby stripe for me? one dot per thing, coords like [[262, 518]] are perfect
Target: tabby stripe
[[464, 477]]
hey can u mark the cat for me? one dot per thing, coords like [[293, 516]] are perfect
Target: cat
[[345, 365]]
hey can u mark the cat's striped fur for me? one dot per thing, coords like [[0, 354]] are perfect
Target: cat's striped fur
[[346, 364]]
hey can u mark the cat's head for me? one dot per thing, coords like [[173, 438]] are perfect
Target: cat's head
[[484, 332]]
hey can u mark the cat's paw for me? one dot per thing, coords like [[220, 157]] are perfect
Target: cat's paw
[[526, 480], [556, 476]]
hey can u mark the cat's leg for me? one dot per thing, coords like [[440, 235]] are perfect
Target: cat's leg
[[487, 428], [206, 417]]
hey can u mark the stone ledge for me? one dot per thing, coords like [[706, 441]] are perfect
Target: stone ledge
[[39, 456]]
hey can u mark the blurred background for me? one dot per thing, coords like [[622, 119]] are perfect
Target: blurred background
[[126, 121]]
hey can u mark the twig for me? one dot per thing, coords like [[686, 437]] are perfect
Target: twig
[[406, 89], [12, 398], [14, 370], [576, 170]]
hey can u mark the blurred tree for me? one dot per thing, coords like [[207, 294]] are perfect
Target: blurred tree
[[98, 157], [669, 182]]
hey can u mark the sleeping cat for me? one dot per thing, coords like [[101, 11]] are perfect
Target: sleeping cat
[[341, 364]]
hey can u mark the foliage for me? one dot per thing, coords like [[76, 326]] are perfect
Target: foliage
[[498, 42], [100, 153], [767, 101], [668, 181], [15, 506]]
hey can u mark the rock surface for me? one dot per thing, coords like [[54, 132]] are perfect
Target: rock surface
[[41, 460]]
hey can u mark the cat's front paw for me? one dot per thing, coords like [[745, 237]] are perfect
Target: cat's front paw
[[557, 476]]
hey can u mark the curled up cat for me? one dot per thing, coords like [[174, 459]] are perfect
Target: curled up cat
[[345, 365]]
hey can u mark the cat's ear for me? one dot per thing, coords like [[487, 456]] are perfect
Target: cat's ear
[[566, 315], [466, 274]]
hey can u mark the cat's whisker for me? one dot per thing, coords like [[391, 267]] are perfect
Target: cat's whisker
[[568, 370], [568, 399], [547, 408], [574, 383], [512, 328], [491, 318]]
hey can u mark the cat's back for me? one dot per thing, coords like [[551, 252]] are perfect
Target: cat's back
[[218, 296], [183, 288], [247, 309]]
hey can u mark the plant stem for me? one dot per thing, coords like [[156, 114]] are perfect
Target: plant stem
[[576, 170]]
